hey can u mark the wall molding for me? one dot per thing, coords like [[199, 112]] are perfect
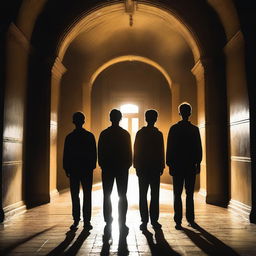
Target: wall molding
[[13, 210], [198, 70], [12, 140], [202, 192], [53, 194], [239, 208], [241, 159], [238, 122], [15, 33], [54, 123], [58, 68], [17, 162], [236, 41]]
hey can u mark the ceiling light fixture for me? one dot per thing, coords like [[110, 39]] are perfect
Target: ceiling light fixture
[[130, 8]]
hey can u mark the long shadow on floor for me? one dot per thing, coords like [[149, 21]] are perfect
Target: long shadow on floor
[[208, 243], [7, 250], [74, 248], [70, 235], [161, 247]]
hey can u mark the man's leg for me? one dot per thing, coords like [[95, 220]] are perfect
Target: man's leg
[[121, 183], [190, 186], [154, 202], [143, 203], [178, 181], [86, 181], [74, 190], [107, 184]]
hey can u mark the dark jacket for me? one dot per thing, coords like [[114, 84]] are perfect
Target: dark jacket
[[79, 151], [184, 149], [114, 149], [149, 151]]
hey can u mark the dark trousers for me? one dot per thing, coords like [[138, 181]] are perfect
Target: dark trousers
[[144, 184], [86, 181], [121, 178], [178, 181]]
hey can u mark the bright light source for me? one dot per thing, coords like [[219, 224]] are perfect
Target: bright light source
[[129, 109]]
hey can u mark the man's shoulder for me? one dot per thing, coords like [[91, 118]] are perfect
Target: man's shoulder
[[87, 133]]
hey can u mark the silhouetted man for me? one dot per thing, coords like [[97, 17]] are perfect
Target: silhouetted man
[[149, 165], [184, 155], [79, 160], [115, 159]]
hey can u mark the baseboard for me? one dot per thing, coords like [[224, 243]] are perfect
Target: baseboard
[[202, 192], [53, 194], [13, 210], [240, 209]]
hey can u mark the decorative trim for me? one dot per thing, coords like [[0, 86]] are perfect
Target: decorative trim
[[238, 122], [198, 69], [201, 126], [15, 33], [236, 41], [17, 162], [54, 193], [239, 208], [241, 159], [53, 123], [13, 210], [202, 192], [58, 68], [12, 140]]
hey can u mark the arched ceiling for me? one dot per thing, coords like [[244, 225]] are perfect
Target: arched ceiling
[[106, 34]]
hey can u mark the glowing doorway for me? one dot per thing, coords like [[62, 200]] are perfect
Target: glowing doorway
[[130, 120]]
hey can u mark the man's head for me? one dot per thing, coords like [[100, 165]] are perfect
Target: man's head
[[185, 110], [115, 116], [151, 116], [78, 119]]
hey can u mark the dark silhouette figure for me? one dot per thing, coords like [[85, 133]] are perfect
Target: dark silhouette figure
[[184, 155], [79, 160], [149, 165], [115, 159]]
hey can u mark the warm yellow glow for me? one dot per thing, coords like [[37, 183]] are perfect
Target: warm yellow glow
[[115, 11], [130, 58], [124, 123], [129, 109]]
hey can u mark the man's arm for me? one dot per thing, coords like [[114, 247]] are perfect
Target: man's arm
[[93, 152], [199, 151], [66, 157], [129, 144], [161, 140], [170, 151], [100, 150]]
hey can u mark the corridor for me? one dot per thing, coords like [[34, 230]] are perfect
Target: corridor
[[44, 230]]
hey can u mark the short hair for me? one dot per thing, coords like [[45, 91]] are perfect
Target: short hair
[[185, 109], [151, 115], [115, 115], [78, 118]]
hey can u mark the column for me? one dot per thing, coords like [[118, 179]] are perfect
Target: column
[[58, 70]]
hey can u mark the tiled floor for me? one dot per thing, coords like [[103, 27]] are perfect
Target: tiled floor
[[44, 230]]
